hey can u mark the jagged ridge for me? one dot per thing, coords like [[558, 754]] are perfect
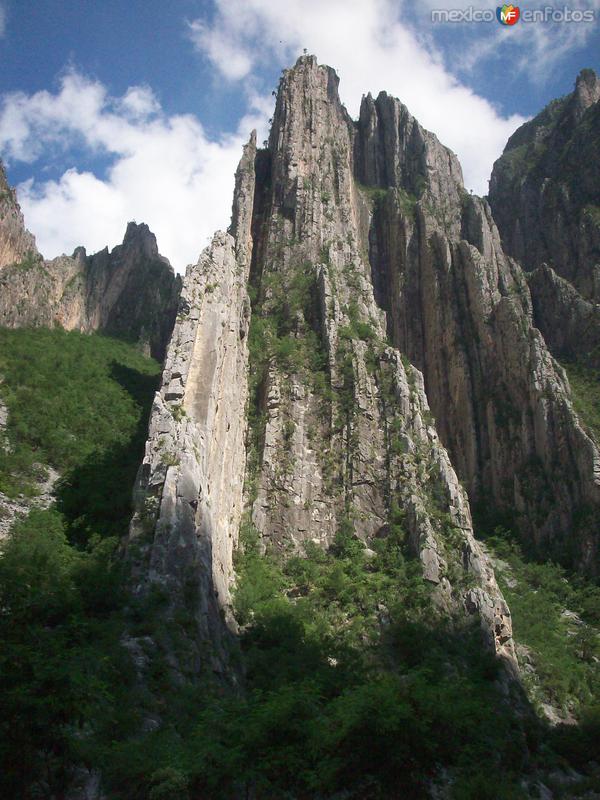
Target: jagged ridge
[[130, 292]]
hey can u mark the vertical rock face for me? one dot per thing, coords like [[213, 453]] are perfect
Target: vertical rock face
[[189, 495], [461, 311], [130, 292], [342, 429], [363, 253], [16, 243], [544, 189], [569, 323]]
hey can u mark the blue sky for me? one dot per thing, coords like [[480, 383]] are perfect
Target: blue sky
[[111, 111]]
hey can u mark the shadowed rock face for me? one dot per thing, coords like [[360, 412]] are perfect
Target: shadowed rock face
[[189, 492], [130, 292], [380, 293], [569, 323], [460, 309], [545, 196], [544, 189]]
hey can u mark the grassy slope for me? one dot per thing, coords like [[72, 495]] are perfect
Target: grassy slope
[[79, 403], [564, 648], [556, 625], [585, 385]]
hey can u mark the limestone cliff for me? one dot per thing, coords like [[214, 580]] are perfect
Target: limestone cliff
[[16, 243], [130, 292], [569, 324], [544, 189], [188, 499], [354, 437], [460, 309], [340, 432]]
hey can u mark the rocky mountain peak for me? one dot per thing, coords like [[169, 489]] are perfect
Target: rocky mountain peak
[[587, 90], [3, 179], [141, 238], [347, 370], [130, 291], [393, 150], [17, 244], [544, 188]]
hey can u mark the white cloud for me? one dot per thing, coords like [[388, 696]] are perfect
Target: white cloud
[[164, 170], [139, 102], [214, 42], [372, 47]]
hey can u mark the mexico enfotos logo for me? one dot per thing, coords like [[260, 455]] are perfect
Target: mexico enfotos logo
[[509, 15]]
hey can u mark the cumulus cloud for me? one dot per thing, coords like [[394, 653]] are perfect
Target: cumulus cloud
[[233, 63], [163, 170]]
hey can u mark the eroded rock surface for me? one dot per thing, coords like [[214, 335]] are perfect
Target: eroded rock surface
[[544, 189], [130, 292], [569, 323], [461, 310], [188, 499], [350, 438], [16, 243]]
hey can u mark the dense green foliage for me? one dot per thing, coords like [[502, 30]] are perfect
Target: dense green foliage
[[284, 327], [79, 403], [556, 615], [63, 671], [379, 196], [352, 685], [556, 625], [585, 385]]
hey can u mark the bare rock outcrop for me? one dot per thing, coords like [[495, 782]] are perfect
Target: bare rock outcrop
[[188, 498], [569, 324], [130, 292], [461, 310], [343, 430], [544, 189], [16, 243]]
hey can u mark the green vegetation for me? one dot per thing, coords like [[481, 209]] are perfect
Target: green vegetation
[[556, 625], [378, 196], [65, 677], [79, 403], [284, 327], [585, 385], [353, 686], [30, 261], [357, 329], [284, 332], [592, 212], [564, 650]]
